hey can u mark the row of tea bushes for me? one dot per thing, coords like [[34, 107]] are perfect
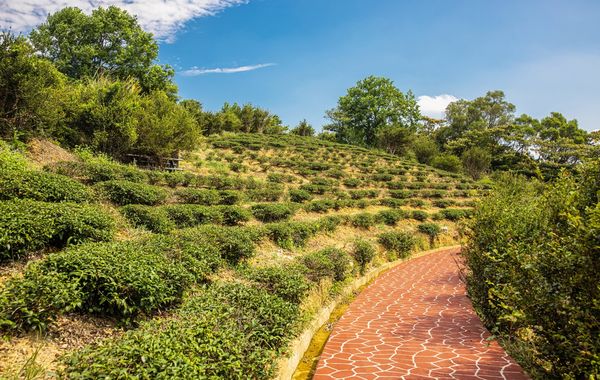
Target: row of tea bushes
[[228, 330], [27, 226], [41, 186], [162, 219], [120, 279]]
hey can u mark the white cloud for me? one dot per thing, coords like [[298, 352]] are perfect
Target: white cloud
[[224, 70], [435, 106], [161, 17]]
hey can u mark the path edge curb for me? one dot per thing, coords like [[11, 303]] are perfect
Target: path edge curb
[[287, 365]]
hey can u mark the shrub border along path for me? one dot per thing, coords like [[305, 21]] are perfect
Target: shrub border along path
[[415, 322]]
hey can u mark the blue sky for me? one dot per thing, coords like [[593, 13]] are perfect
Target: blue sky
[[296, 57]]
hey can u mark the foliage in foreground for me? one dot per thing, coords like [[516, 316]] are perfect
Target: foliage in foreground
[[532, 260], [227, 331]]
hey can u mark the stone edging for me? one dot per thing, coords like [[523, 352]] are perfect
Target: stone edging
[[287, 365]]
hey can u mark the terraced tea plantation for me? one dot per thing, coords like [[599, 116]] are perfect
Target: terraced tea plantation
[[109, 271]]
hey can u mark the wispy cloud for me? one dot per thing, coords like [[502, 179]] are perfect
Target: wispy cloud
[[435, 106], [162, 18], [195, 71]]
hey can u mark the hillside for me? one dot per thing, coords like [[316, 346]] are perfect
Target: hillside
[[207, 271]]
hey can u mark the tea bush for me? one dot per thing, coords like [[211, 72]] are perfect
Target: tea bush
[[234, 244], [455, 214], [299, 196], [363, 220], [363, 253], [120, 279], [272, 212], [432, 230], [27, 226], [286, 282], [204, 197], [234, 215], [123, 193], [230, 197], [291, 234], [391, 217], [227, 331], [399, 244], [155, 219], [192, 215], [41, 186], [419, 215], [266, 194], [327, 263]]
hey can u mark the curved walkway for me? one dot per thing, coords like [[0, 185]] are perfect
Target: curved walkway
[[415, 322]]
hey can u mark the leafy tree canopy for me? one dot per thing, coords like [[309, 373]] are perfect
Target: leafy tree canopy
[[107, 42], [370, 106]]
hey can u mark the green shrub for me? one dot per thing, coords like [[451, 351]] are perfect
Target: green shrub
[[321, 205], [363, 220], [234, 215], [400, 194], [230, 197], [455, 214], [27, 226], [532, 260], [199, 196], [227, 331], [126, 192], [10, 159], [399, 244], [363, 252], [192, 215], [360, 194], [432, 230], [42, 186], [266, 194], [419, 215], [99, 168], [299, 196], [391, 217], [352, 182], [280, 178], [155, 219], [392, 202], [272, 212], [120, 279], [234, 244], [291, 234], [327, 263], [286, 282]]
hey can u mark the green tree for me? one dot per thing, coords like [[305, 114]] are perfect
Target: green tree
[[108, 42], [425, 149], [165, 127], [476, 161], [303, 129], [101, 113], [394, 139], [28, 87], [373, 104], [447, 162], [480, 122]]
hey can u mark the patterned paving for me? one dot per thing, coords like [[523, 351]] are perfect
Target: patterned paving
[[415, 322]]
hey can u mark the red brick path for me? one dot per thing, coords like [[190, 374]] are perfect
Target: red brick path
[[415, 322]]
